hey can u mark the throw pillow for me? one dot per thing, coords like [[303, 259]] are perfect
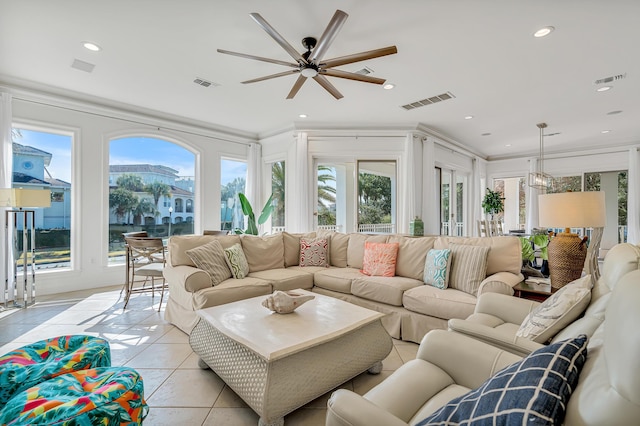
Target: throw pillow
[[468, 267], [534, 391], [380, 259], [313, 252], [237, 261], [210, 258], [436, 268], [557, 312]]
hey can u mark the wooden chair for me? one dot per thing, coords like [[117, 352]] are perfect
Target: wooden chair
[[145, 258], [483, 228], [135, 234], [496, 228]]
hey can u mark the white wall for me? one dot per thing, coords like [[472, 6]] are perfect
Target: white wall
[[93, 126]]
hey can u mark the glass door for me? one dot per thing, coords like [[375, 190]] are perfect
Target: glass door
[[452, 202]]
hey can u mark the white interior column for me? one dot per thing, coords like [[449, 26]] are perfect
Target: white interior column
[[633, 197], [6, 174], [300, 196], [254, 177], [609, 185], [532, 200], [475, 186], [430, 201], [511, 203]]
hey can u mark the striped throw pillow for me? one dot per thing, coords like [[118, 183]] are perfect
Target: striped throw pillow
[[468, 267], [211, 259]]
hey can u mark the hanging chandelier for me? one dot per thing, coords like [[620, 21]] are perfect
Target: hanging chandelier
[[539, 179]]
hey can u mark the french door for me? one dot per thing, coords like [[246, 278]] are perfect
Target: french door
[[453, 201]]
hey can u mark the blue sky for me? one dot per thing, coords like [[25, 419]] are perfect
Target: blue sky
[[138, 150]]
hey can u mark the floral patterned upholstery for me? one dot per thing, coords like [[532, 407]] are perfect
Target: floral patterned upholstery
[[99, 396], [29, 365]]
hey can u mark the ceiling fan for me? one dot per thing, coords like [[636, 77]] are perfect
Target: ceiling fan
[[310, 64]]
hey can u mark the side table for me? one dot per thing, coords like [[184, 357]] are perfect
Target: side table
[[538, 289]]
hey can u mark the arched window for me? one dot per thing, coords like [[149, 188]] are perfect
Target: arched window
[[178, 205], [189, 206]]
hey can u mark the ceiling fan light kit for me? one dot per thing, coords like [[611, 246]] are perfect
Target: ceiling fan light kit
[[310, 64]]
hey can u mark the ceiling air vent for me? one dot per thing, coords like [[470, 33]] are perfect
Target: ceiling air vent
[[611, 79], [82, 65], [429, 101], [205, 83], [364, 71]]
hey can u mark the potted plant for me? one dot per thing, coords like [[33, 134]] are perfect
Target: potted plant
[[492, 203], [247, 210], [538, 241]]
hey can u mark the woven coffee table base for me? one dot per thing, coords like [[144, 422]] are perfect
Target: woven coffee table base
[[275, 388]]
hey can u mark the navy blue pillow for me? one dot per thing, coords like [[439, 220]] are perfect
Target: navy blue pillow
[[533, 391]]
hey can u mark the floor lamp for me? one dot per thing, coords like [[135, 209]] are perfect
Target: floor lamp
[[567, 251], [21, 203]]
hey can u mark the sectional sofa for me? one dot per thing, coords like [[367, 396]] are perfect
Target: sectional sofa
[[412, 307]]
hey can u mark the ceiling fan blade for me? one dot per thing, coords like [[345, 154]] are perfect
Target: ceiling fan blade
[[296, 86], [322, 81], [328, 36], [268, 77], [259, 58], [357, 57], [277, 37], [353, 76]]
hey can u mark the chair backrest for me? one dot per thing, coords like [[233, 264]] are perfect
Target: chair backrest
[[136, 234], [145, 250], [608, 391], [483, 228], [214, 232]]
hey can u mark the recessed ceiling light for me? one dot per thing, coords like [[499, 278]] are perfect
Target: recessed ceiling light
[[388, 86], [605, 131], [614, 112], [303, 116], [468, 117], [508, 145], [543, 31], [91, 46], [603, 88]]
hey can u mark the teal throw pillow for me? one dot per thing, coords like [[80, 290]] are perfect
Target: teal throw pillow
[[237, 261], [436, 268]]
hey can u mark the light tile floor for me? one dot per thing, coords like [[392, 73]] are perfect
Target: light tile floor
[[177, 391]]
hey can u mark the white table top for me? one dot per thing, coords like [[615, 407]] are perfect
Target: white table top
[[274, 336]]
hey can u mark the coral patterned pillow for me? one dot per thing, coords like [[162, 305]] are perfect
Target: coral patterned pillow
[[380, 259], [313, 252]]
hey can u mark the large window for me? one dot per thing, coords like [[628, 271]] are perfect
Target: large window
[[150, 180], [42, 160], [376, 196], [277, 190], [233, 177]]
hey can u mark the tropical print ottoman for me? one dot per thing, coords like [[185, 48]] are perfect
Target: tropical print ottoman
[[29, 365], [100, 396]]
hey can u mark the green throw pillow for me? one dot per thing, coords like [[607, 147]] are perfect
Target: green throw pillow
[[237, 261]]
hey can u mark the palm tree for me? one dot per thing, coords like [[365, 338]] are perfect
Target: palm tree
[[277, 189], [144, 208], [122, 201], [326, 193], [130, 181], [157, 189]]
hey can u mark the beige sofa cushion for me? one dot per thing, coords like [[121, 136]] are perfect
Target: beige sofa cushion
[[336, 279], [387, 290], [292, 247], [468, 267], [355, 248], [411, 255], [446, 304], [179, 244], [338, 243], [505, 254], [286, 279], [263, 253]]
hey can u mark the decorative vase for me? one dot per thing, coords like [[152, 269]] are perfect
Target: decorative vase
[[416, 227]]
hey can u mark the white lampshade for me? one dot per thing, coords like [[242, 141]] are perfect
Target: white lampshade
[[25, 198], [572, 210]]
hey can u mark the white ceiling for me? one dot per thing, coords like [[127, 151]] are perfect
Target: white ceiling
[[483, 52]]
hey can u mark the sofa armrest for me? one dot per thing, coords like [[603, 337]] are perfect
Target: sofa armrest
[[507, 308], [500, 282], [469, 367], [495, 337], [192, 279], [346, 408]]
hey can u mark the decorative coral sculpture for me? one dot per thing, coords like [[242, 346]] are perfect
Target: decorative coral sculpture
[[285, 302]]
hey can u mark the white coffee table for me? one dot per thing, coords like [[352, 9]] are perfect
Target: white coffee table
[[278, 362]]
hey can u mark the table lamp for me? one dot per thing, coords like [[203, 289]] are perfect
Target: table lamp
[[567, 251]]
